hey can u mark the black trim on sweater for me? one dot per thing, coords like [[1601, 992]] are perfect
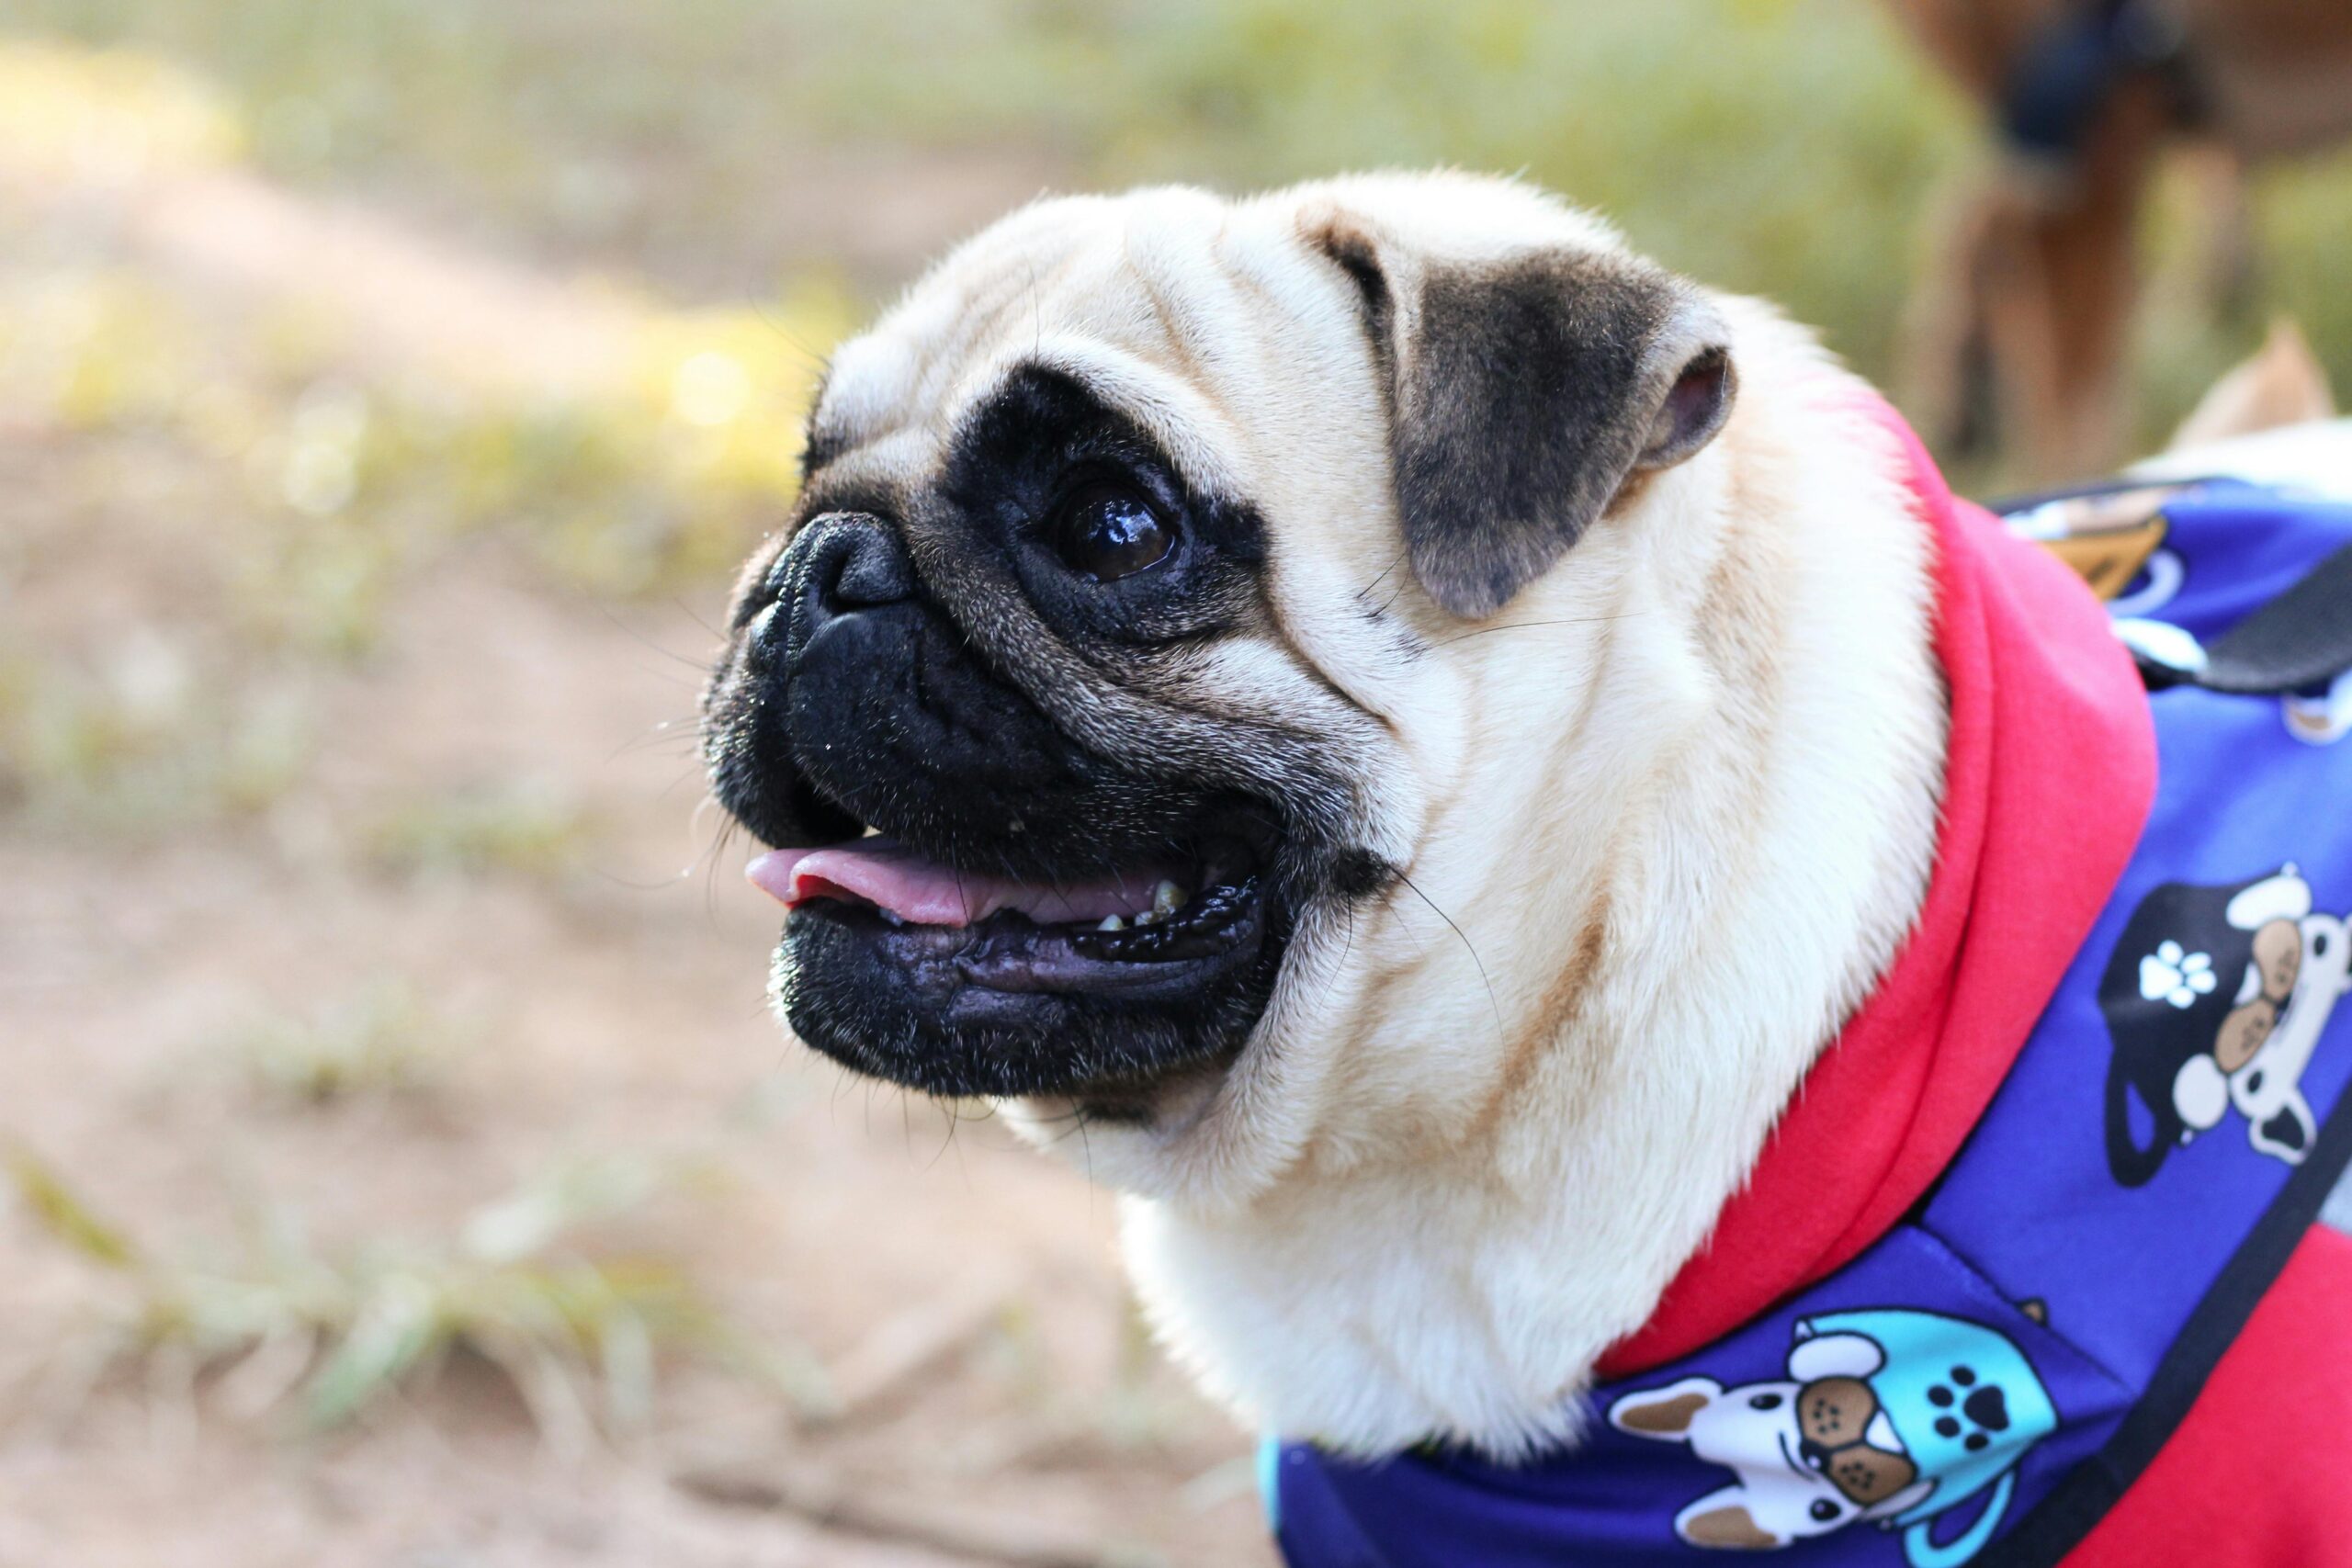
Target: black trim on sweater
[[2060, 1520]]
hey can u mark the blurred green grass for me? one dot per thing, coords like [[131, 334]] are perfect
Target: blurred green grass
[[267, 475], [382, 1039], [1791, 148]]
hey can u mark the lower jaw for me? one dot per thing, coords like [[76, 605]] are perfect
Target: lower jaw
[[1165, 1102], [1120, 1047]]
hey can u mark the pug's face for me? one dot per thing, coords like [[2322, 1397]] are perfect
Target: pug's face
[[1118, 671]]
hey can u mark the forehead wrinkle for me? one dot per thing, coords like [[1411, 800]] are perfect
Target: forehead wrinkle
[[1189, 429], [1175, 269], [898, 372], [994, 316], [1323, 343], [1323, 317], [1309, 354]]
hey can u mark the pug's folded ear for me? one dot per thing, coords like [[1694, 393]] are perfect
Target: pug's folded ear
[[1523, 394]]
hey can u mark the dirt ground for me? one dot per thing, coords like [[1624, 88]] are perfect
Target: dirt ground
[[586, 986]]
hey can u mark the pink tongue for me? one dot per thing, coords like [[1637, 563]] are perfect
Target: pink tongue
[[922, 892]]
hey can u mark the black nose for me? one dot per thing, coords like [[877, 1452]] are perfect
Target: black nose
[[839, 564], [853, 562]]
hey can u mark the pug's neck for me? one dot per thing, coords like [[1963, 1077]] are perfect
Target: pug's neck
[[1667, 911]]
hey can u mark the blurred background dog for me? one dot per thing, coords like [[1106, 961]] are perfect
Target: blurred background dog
[[2022, 330]]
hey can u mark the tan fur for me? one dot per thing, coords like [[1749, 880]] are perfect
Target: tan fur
[[1666, 815], [1553, 1015], [2283, 384]]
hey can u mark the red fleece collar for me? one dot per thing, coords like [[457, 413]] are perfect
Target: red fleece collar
[[2048, 777]]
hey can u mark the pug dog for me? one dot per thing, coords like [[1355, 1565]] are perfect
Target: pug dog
[[1410, 721]]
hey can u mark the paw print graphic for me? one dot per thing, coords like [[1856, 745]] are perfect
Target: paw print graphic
[[2169, 974]]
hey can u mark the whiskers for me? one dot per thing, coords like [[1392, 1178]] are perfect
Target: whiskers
[[729, 832], [1532, 626], [682, 736], [1493, 1003], [700, 667]]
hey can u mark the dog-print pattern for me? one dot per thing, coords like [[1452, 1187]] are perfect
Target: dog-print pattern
[[2322, 718], [2158, 584], [2158, 575], [2114, 541], [2214, 999], [1891, 1414], [2162, 644]]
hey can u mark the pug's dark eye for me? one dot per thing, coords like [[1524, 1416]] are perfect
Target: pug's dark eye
[[1824, 1509], [1107, 532]]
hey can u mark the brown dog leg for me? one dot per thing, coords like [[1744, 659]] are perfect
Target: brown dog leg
[[2061, 293]]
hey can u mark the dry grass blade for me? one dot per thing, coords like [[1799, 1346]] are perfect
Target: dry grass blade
[[987, 1534], [381, 1040], [62, 1212], [580, 1337], [910, 1343]]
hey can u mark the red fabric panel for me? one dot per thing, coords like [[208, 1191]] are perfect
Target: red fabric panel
[[2260, 1474], [2051, 771]]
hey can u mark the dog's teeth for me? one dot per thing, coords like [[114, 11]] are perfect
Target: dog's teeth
[[1149, 917], [1112, 923], [1167, 898]]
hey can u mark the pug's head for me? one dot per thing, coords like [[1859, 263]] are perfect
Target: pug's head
[[1147, 656]]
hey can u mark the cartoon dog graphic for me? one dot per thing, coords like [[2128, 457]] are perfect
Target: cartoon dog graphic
[[1889, 1414], [2215, 996]]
